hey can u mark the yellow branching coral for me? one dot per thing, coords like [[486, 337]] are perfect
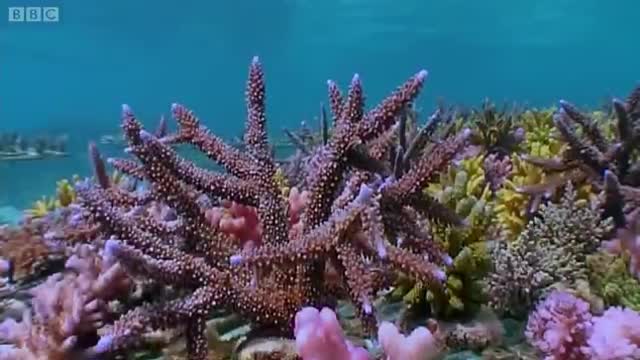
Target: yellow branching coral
[[464, 189], [65, 196], [511, 204], [65, 193], [41, 207], [540, 134]]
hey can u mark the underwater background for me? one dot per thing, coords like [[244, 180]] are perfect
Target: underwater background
[[70, 77]]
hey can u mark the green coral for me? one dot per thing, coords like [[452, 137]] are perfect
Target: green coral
[[610, 279], [464, 189], [551, 250], [540, 133]]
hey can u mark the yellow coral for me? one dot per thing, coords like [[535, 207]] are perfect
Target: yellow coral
[[65, 193], [511, 205], [540, 133], [65, 196], [464, 189], [41, 207], [540, 141]]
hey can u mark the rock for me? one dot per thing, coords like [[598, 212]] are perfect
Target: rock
[[13, 309], [267, 348]]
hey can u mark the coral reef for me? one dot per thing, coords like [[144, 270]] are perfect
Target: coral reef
[[551, 250], [475, 218]]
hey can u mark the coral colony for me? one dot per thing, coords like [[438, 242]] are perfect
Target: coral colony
[[462, 224]]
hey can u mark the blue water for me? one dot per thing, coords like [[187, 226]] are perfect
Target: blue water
[[71, 76]]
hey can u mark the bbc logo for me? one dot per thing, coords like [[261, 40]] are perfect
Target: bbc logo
[[34, 14]]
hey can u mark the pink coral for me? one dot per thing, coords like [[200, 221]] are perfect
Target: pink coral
[[616, 335], [559, 326], [242, 223], [238, 221], [66, 308], [421, 344], [320, 337]]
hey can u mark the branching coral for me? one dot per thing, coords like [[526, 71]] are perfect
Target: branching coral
[[463, 188], [610, 279], [497, 131], [561, 327], [67, 309], [27, 252], [351, 214], [552, 249], [590, 154]]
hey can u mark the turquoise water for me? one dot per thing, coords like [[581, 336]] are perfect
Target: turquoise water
[[71, 76]]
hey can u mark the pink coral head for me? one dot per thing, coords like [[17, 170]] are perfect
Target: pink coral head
[[615, 335], [320, 337], [559, 325], [419, 345]]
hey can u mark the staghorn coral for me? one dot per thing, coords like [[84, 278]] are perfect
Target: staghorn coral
[[350, 215], [590, 154], [528, 184], [626, 241], [552, 249]]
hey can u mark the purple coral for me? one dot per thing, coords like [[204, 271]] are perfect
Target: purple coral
[[615, 335], [559, 327]]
